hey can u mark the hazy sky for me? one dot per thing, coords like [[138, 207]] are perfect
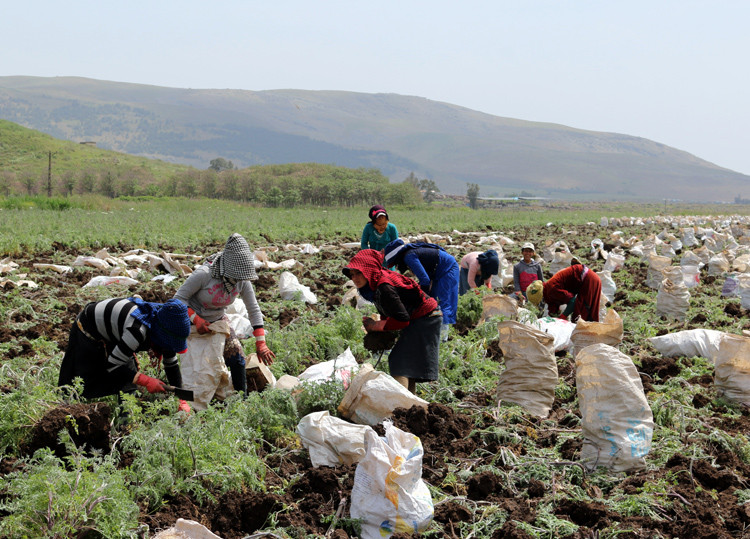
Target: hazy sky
[[675, 71]]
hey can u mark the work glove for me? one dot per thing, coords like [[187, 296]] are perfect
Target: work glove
[[183, 407], [152, 385], [373, 325], [265, 355], [200, 324]]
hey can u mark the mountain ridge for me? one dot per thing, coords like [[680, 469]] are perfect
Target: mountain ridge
[[398, 134]]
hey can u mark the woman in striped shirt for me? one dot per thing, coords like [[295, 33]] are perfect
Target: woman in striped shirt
[[107, 334]]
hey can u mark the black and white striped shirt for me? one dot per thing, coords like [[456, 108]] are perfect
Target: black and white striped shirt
[[110, 321]]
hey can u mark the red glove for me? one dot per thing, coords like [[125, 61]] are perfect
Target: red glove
[[200, 324], [373, 325], [183, 407], [152, 385], [261, 348]]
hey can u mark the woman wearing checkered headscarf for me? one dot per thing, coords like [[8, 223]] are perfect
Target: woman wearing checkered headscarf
[[212, 287]]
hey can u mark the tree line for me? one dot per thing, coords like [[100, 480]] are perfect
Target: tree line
[[286, 185]]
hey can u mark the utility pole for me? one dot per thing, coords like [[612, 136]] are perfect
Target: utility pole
[[49, 176]]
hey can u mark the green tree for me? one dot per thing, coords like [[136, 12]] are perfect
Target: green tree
[[29, 182], [472, 193], [87, 182], [412, 179], [429, 190], [219, 164]]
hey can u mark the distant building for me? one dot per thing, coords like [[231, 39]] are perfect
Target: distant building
[[739, 200], [88, 143]]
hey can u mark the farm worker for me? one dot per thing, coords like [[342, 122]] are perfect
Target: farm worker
[[435, 269], [526, 271], [575, 290], [106, 335], [379, 232], [477, 268], [212, 287], [404, 306]]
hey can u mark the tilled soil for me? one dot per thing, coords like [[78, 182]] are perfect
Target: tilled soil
[[703, 496]]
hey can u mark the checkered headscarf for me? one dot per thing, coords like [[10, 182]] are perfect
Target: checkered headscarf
[[235, 262]]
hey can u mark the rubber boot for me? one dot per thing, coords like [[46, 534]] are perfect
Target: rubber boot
[[239, 378]]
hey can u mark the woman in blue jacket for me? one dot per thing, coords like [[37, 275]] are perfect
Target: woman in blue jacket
[[435, 269]]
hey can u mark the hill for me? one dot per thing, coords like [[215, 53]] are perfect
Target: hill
[[397, 134]]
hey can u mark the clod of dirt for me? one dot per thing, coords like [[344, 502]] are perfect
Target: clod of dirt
[[590, 514], [264, 281], [286, 316], [733, 309], [663, 367], [571, 448], [536, 489], [481, 485], [510, 530], [378, 341], [87, 424], [441, 430], [700, 400], [451, 511]]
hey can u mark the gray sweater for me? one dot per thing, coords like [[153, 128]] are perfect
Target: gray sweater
[[206, 296]]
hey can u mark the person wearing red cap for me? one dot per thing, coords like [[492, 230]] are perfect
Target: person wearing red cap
[[105, 336], [404, 307], [379, 232]]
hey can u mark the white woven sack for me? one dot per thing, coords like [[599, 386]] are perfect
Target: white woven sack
[[203, 369], [608, 285], [498, 305], [732, 368], [614, 262], [530, 374], [743, 287], [617, 423], [673, 298], [608, 331], [373, 395], [688, 237], [718, 264], [332, 441], [688, 343], [389, 495], [656, 264]]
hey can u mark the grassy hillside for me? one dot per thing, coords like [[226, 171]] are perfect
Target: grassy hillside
[[25, 152]]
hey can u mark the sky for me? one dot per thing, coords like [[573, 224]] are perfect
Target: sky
[[673, 71]]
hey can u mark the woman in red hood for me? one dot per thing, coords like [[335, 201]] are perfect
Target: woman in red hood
[[402, 306]]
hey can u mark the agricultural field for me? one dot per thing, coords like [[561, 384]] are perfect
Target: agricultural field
[[130, 467]]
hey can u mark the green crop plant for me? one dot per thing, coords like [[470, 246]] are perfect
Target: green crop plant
[[547, 525], [80, 497], [210, 452], [20, 409], [273, 413], [320, 396], [469, 310]]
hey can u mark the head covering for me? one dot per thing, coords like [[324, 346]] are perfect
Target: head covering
[[392, 251], [168, 323], [535, 291], [528, 245], [376, 211], [235, 262], [489, 262], [370, 263]]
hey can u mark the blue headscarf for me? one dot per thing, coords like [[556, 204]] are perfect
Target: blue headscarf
[[168, 323]]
